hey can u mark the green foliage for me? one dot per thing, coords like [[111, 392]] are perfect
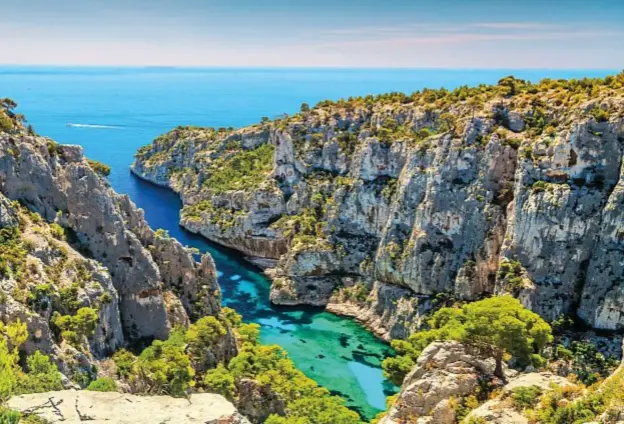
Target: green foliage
[[525, 397], [99, 167], [220, 380], [161, 233], [245, 170], [317, 410], [6, 124], [495, 326], [396, 368], [57, 231], [12, 252], [74, 328], [599, 114], [204, 335], [53, 148], [9, 416], [165, 368], [125, 362], [510, 272], [248, 333], [103, 384], [586, 362], [539, 186], [40, 375]]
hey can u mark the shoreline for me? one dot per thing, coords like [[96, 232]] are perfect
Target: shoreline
[[340, 309]]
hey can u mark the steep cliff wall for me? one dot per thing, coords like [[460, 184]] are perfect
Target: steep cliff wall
[[510, 188], [74, 250]]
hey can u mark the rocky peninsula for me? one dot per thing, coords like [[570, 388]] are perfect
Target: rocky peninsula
[[377, 206]]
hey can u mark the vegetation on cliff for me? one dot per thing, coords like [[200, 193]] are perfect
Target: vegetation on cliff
[[176, 365], [499, 327]]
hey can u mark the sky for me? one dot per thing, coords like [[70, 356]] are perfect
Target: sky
[[586, 34]]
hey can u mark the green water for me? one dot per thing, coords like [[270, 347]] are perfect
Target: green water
[[336, 352]]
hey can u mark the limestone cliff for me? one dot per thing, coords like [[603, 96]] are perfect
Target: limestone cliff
[[73, 249], [374, 205]]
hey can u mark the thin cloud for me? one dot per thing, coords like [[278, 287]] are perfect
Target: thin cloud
[[513, 25], [473, 37]]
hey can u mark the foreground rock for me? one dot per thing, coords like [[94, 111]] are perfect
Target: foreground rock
[[444, 371], [502, 411], [73, 406]]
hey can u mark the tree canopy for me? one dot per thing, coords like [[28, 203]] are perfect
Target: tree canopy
[[496, 327]]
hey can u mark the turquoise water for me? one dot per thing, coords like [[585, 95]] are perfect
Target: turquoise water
[[111, 112]]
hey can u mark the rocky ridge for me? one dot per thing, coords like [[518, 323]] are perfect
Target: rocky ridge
[[374, 206], [71, 245]]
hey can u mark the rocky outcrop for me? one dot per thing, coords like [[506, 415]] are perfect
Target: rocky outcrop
[[501, 410], [68, 241], [257, 402], [73, 406], [57, 182], [444, 371], [390, 311], [471, 194]]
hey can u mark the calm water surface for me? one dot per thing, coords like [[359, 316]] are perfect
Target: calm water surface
[[111, 112]]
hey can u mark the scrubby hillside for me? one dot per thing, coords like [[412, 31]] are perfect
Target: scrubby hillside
[[374, 206]]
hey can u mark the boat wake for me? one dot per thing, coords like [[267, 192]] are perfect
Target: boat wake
[[104, 127]]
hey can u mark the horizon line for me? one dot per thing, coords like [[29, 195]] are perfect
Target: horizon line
[[302, 67]]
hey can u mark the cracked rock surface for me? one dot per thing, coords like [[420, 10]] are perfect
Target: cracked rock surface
[[71, 406]]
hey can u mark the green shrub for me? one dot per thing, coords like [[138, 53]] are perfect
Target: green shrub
[[599, 114], [245, 170], [9, 416], [103, 384], [42, 376], [6, 124], [99, 167], [525, 397], [74, 328], [57, 231], [165, 368], [125, 362], [220, 380]]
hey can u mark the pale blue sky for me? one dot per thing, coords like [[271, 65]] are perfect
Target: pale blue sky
[[341, 33]]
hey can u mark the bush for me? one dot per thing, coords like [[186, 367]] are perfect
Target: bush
[[219, 380], [599, 114], [42, 376], [125, 362], [525, 397], [165, 368], [103, 384], [245, 170], [9, 416], [99, 167], [74, 328]]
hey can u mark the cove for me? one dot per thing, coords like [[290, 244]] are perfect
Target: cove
[[336, 352], [111, 112]]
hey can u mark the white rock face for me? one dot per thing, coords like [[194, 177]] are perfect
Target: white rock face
[[438, 215], [501, 411], [141, 284], [443, 370], [73, 406]]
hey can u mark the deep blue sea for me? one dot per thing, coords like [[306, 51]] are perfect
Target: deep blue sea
[[112, 112]]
